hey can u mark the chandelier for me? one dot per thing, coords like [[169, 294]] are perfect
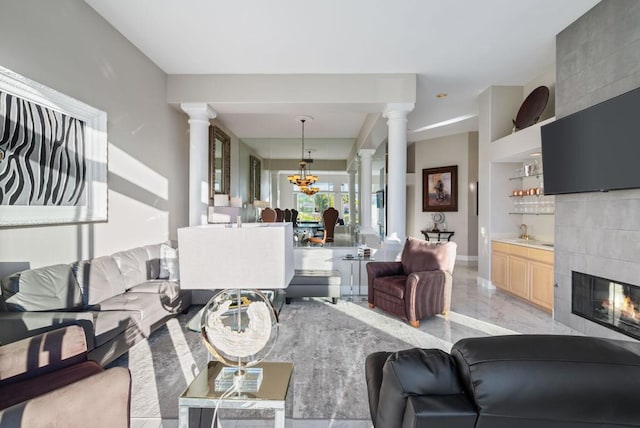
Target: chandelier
[[304, 179]]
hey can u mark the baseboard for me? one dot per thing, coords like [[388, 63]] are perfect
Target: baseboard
[[467, 260]]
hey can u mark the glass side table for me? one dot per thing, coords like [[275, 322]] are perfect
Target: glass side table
[[271, 395], [358, 259]]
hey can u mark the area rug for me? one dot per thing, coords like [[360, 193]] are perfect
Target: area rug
[[327, 344]]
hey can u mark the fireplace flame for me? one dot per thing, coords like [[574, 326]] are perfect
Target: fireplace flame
[[625, 308]]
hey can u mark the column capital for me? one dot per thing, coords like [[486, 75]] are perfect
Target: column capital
[[397, 110], [366, 153], [198, 111]]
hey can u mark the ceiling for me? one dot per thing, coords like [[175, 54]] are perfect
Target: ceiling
[[459, 47]]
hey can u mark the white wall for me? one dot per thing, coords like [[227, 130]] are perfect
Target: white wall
[[67, 46], [472, 195], [547, 79], [498, 158], [460, 150], [292, 88]]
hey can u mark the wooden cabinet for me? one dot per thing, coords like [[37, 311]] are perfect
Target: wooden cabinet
[[541, 280], [523, 271], [518, 278], [500, 270]]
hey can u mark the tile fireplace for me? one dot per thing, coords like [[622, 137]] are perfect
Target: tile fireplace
[[615, 305]]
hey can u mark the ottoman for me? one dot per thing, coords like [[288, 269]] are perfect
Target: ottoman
[[314, 283]]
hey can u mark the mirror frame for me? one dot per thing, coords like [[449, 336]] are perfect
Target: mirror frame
[[215, 133]]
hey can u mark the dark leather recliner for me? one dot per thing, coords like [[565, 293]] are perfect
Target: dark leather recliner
[[416, 287], [524, 381]]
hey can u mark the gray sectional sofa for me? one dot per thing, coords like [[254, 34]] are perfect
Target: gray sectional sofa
[[117, 299]]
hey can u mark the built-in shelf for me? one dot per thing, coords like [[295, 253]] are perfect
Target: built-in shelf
[[520, 177], [517, 146], [551, 213]]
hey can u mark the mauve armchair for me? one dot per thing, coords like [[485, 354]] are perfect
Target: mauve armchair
[[47, 381], [416, 287]]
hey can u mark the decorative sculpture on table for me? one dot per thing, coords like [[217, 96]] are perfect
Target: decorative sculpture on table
[[438, 219]]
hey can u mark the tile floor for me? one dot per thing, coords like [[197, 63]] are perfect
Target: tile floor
[[476, 311]]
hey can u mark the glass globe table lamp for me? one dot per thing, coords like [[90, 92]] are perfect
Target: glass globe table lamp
[[239, 328], [239, 325]]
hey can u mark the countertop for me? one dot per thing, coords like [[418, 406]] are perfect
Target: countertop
[[542, 245]]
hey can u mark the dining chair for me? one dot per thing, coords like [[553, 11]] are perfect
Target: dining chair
[[279, 215], [330, 219], [268, 215]]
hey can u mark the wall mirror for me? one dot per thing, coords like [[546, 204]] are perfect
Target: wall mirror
[[219, 162], [254, 179]]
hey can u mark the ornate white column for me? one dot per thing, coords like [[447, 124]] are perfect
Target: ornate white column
[[199, 116], [352, 199], [396, 114], [366, 157]]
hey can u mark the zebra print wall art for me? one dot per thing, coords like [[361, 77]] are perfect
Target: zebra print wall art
[[53, 156]]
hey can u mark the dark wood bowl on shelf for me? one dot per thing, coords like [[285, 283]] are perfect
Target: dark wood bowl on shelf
[[532, 108]]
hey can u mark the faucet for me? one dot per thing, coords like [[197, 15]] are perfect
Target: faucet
[[523, 234]]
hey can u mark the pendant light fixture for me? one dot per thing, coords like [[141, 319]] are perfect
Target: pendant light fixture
[[304, 179]]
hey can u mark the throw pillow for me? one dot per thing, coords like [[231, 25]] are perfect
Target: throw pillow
[[169, 266]]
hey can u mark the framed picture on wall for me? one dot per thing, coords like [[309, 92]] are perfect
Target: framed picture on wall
[[440, 189], [53, 156]]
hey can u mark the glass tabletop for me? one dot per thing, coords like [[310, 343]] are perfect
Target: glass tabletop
[[275, 383]]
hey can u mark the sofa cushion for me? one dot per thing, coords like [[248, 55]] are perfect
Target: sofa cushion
[[36, 386], [153, 260], [133, 266], [421, 256], [99, 279], [316, 277], [170, 289], [152, 308], [392, 285], [169, 266], [110, 324], [550, 378], [445, 411], [42, 289]]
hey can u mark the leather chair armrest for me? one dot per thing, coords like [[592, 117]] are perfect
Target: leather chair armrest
[[413, 372], [99, 401], [373, 374], [433, 287], [43, 353], [377, 269]]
